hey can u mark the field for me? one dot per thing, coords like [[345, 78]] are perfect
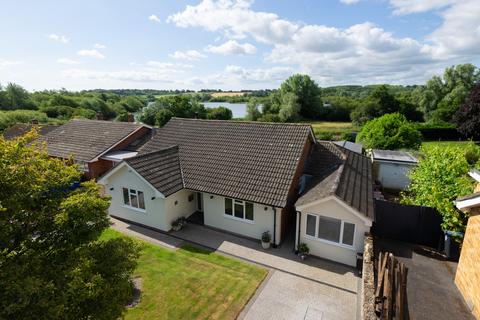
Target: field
[[191, 283], [455, 144], [329, 130], [227, 94]]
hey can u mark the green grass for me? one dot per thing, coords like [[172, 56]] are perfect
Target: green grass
[[191, 283], [455, 144], [330, 126]]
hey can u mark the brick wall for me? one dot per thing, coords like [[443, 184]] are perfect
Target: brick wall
[[467, 278]]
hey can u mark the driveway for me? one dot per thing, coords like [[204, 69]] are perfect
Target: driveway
[[294, 289]]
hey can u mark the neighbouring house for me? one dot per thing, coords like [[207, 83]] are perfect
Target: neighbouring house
[[19, 129], [467, 277], [96, 146], [391, 168], [240, 177], [335, 208], [352, 146]]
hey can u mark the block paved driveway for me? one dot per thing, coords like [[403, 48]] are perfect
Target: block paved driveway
[[313, 289]]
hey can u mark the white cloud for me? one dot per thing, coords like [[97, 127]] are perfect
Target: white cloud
[[348, 2], [93, 53], [232, 47], [7, 63], [59, 38], [67, 61], [415, 6], [99, 46], [154, 18], [190, 55]]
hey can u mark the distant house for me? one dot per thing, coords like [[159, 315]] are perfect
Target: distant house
[[96, 146], [336, 208], [391, 168], [467, 277], [243, 178], [19, 129]]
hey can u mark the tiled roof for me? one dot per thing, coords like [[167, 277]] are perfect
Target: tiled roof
[[86, 139], [160, 168], [340, 172], [19, 129], [251, 161]]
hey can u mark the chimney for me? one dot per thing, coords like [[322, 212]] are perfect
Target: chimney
[[99, 116], [130, 117], [34, 121]]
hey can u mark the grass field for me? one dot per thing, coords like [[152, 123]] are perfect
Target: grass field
[[227, 94], [191, 283], [328, 126], [455, 144]]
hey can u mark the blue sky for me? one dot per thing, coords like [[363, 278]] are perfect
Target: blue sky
[[232, 44]]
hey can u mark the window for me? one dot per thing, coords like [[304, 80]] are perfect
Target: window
[[133, 198], [330, 229], [239, 209], [311, 225]]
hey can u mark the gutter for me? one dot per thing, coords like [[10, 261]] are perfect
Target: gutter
[[299, 214]]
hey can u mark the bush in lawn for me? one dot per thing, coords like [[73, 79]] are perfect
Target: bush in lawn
[[53, 264], [390, 131]]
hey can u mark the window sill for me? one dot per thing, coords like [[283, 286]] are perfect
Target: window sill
[[341, 245], [135, 209], [238, 219]]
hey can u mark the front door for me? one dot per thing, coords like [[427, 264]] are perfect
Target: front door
[[200, 201]]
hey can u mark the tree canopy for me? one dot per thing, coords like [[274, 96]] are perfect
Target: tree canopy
[[307, 92], [439, 178], [390, 131], [467, 117], [53, 264]]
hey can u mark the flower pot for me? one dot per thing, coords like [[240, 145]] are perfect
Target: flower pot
[[265, 245], [303, 256], [177, 228]]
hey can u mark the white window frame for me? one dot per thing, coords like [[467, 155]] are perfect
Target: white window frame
[[244, 205], [130, 193], [340, 243]]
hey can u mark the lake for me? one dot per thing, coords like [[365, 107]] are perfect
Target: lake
[[239, 110]]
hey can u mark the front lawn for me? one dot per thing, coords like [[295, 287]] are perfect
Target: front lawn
[[444, 144], [191, 283]]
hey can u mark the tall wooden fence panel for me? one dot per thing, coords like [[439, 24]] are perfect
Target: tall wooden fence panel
[[414, 224]]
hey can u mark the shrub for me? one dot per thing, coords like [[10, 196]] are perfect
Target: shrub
[[390, 131], [9, 118], [322, 135], [266, 237]]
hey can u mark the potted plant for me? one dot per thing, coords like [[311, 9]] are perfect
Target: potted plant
[[303, 250], [266, 238], [179, 223]]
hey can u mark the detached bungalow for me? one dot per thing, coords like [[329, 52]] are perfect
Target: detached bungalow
[[245, 178], [95, 145], [241, 177]]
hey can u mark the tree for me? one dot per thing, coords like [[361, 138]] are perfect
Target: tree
[[253, 112], [439, 178], [378, 103], [162, 117], [308, 94], [16, 97], [390, 131], [219, 113], [53, 264], [467, 117], [290, 108]]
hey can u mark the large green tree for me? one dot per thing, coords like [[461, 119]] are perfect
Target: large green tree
[[307, 92], [390, 132], [439, 179], [52, 264]]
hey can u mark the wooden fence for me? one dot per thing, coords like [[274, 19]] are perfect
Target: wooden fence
[[391, 288]]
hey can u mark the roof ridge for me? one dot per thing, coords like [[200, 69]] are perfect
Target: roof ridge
[[299, 124]]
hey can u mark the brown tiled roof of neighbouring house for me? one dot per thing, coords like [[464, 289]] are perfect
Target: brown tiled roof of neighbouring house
[[86, 140], [19, 129], [251, 161], [340, 172]]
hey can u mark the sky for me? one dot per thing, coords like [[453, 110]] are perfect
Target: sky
[[232, 44]]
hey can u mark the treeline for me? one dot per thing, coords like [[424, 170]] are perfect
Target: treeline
[[300, 98], [62, 105]]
